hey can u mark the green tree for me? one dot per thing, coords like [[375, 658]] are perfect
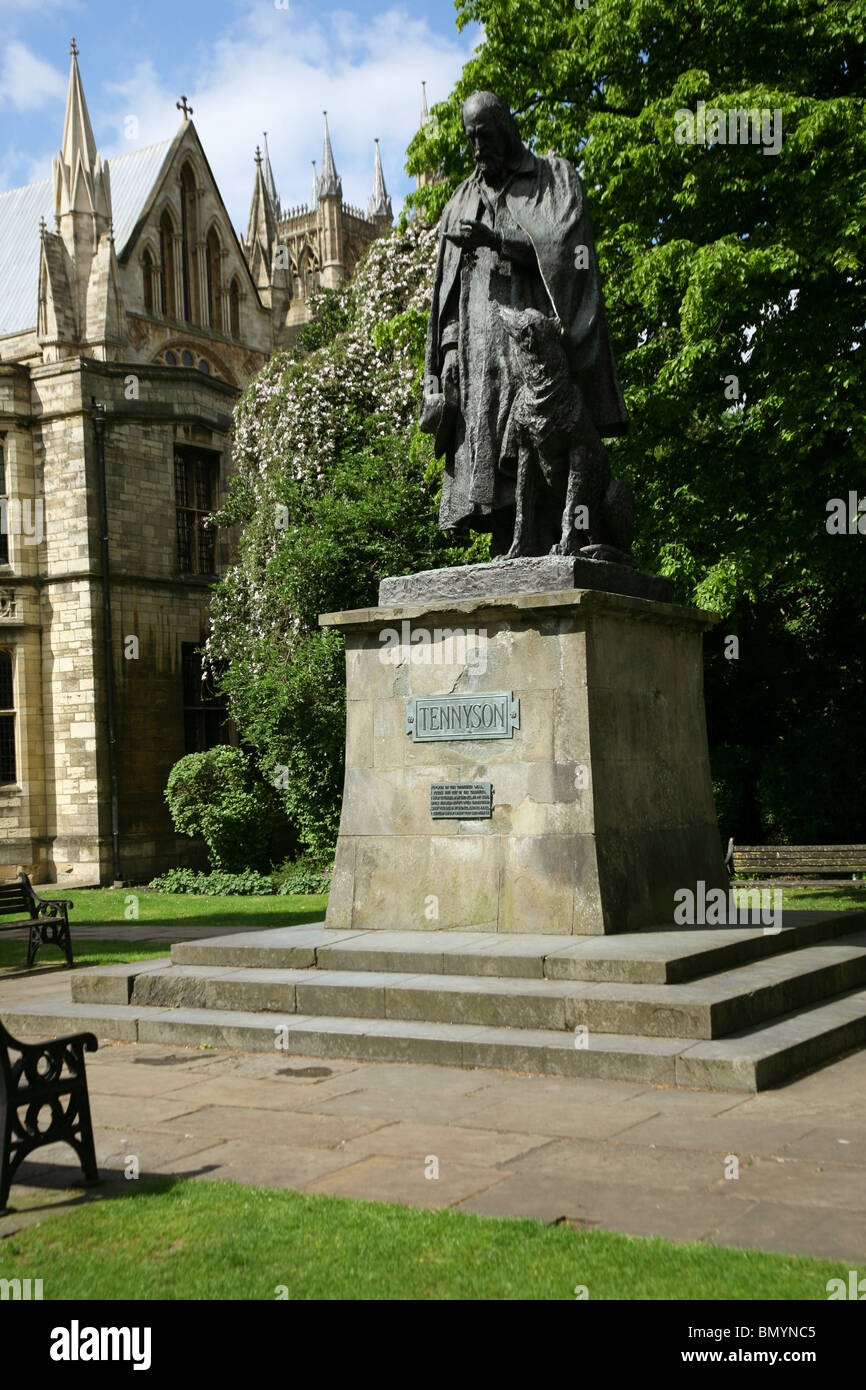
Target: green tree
[[735, 288]]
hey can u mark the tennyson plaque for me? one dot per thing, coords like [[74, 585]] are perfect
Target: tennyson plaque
[[461, 800], [493, 714]]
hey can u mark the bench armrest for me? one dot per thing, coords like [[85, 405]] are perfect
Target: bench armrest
[[79, 1042], [50, 903]]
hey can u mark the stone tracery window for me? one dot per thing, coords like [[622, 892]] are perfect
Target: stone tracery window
[[4, 532], [147, 275], [166, 256], [234, 310], [8, 770], [213, 255], [189, 238], [204, 711], [196, 474]]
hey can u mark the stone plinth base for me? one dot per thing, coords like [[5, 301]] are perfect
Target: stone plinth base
[[530, 575], [602, 801]]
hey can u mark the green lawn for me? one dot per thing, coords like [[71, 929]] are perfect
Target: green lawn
[[825, 899], [13, 954], [97, 906], [193, 1239]]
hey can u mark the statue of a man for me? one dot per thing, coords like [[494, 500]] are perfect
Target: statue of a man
[[520, 381]]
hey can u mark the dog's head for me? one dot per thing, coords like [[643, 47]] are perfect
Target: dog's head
[[537, 336]]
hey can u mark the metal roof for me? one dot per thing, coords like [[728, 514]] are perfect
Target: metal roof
[[132, 179]]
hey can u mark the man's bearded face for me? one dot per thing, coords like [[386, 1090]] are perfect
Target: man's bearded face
[[488, 142]]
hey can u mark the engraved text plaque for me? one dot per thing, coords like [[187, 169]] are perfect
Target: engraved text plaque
[[461, 800], [437, 718]]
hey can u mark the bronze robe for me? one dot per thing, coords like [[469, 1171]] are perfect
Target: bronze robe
[[541, 215]]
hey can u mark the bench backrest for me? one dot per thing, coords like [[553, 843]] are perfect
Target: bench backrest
[[800, 859], [16, 898]]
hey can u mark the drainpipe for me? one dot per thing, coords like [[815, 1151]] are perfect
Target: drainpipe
[[99, 427]]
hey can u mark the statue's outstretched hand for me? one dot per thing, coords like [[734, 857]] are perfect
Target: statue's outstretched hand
[[451, 375], [472, 235]]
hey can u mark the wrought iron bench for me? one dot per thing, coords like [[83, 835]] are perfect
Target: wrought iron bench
[[44, 1076], [795, 861], [47, 918]]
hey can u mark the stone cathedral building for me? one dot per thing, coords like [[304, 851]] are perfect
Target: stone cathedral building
[[131, 316]]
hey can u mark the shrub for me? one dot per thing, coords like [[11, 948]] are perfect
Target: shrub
[[309, 874], [219, 796], [216, 884]]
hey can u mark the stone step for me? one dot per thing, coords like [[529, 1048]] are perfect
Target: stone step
[[750, 1061], [707, 1008], [671, 955]]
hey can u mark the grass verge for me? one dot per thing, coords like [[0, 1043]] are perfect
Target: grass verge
[[194, 1239], [99, 906]]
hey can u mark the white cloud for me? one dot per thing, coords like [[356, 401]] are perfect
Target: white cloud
[[26, 82], [277, 70]]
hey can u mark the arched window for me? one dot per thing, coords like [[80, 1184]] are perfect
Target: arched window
[[308, 274], [8, 772], [235, 310], [147, 278], [166, 256], [214, 283], [189, 237]]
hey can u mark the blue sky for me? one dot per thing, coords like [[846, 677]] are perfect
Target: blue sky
[[246, 66]]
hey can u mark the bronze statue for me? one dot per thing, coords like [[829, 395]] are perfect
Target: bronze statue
[[520, 383]]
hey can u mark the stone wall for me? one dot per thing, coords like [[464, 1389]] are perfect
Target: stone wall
[[57, 821]]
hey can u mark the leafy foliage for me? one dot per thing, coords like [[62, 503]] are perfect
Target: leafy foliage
[[247, 884], [218, 796], [308, 874]]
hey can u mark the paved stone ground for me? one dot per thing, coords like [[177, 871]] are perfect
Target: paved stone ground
[[611, 1155]]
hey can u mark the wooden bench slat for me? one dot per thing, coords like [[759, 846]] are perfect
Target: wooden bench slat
[[797, 859]]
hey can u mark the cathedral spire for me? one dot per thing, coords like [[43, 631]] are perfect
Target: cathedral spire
[[80, 182], [329, 183], [79, 295], [269, 179], [379, 204], [425, 114], [262, 226]]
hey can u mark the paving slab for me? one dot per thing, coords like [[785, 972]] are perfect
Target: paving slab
[[283, 1166], [618, 1161], [724, 1133], [790, 1229], [449, 1144], [389, 1179], [593, 1205], [120, 1112], [798, 1182], [279, 1128], [845, 1143], [133, 1082]]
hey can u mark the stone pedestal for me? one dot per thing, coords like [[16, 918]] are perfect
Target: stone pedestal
[[602, 801]]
